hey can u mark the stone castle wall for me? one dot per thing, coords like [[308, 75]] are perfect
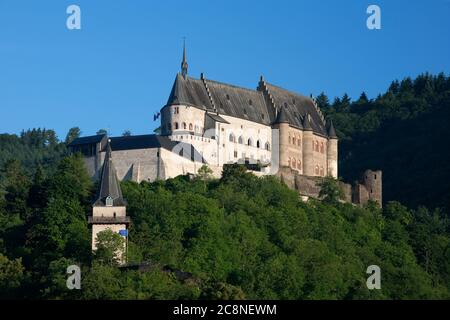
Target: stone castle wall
[[370, 187]]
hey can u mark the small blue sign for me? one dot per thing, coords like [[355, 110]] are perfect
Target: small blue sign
[[123, 233]]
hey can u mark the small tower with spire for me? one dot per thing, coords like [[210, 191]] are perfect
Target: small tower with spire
[[109, 210], [184, 64]]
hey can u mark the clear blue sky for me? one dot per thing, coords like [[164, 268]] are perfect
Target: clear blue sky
[[117, 71]]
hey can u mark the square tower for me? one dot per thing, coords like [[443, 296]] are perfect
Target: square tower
[[109, 210]]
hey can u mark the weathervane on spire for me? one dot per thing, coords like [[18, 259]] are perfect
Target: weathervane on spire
[[184, 64]]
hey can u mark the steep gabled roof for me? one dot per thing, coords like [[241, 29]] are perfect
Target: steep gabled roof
[[109, 183], [248, 104], [239, 102], [296, 108]]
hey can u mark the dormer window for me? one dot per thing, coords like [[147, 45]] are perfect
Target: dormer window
[[109, 201]]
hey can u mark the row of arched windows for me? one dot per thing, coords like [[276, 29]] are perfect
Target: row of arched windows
[[318, 147], [295, 139], [249, 142], [295, 163], [186, 126]]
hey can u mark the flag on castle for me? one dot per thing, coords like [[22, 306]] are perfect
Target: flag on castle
[[156, 116]]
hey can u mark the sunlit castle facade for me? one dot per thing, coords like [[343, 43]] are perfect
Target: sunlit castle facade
[[205, 122]]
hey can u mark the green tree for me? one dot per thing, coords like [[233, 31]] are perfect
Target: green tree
[[330, 190], [11, 275], [110, 248], [73, 134]]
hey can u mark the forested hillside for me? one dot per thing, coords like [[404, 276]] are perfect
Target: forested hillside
[[239, 237], [403, 132], [242, 236]]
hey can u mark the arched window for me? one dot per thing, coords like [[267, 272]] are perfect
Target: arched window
[[299, 142], [267, 147], [322, 148], [250, 142], [294, 162], [231, 138], [294, 141], [176, 126], [241, 140], [317, 170], [184, 125], [190, 127], [299, 164], [257, 144]]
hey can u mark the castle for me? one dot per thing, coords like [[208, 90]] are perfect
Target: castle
[[204, 122]]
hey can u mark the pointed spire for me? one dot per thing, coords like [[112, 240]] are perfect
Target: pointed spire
[[281, 116], [307, 123], [184, 64], [331, 131], [109, 183], [177, 94]]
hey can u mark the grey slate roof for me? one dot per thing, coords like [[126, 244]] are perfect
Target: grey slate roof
[[331, 131], [281, 117], [189, 91], [87, 140], [253, 105], [239, 102], [141, 142], [297, 107], [109, 183], [307, 123]]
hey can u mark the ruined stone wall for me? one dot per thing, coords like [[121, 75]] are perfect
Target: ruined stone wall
[[307, 186]]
